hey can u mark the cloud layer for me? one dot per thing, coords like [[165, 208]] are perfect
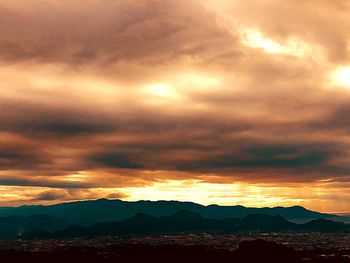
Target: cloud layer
[[110, 98]]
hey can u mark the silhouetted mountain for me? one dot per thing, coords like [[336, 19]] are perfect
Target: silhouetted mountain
[[85, 213], [115, 217], [17, 226], [182, 221], [189, 222], [260, 222], [267, 223], [323, 225]]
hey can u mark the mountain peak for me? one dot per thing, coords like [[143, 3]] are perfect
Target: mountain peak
[[102, 200]]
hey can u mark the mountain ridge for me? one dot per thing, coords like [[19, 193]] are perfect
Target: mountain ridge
[[189, 222], [103, 210]]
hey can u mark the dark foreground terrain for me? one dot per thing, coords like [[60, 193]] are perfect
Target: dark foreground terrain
[[248, 251], [168, 231]]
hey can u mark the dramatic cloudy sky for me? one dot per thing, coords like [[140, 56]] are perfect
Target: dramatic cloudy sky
[[213, 101]]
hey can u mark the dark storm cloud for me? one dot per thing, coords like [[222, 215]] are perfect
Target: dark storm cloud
[[117, 160], [51, 196], [337, 119], [34, 118], [13, 181], [159, 141], [271, 157], [22, 155], [302, 159]]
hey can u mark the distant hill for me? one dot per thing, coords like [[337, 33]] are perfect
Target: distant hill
[[189, 222], [16, 226], [86, 213], [265, 223], [141, 224]]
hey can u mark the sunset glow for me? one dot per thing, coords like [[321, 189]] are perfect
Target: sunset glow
[[342, 77], [225, 102], [254, 39]]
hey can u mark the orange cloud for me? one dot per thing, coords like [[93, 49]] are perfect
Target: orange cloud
[[152, 99]]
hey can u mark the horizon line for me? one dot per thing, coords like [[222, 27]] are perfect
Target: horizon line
[[340, 213]]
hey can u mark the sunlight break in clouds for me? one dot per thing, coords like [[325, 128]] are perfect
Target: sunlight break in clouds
[[341, 77], [228, 102], [254, 38]]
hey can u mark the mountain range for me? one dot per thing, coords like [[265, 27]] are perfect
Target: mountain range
[[115, 217], [42, 226], [86, 213], [185, 221]]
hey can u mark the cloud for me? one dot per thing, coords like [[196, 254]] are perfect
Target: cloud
[[107, 32], [51, 196], [116, 196], [114, 94], [13, 181], [71, 195], [323, 24]]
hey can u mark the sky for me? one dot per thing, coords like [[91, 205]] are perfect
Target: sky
[[213, 101]]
